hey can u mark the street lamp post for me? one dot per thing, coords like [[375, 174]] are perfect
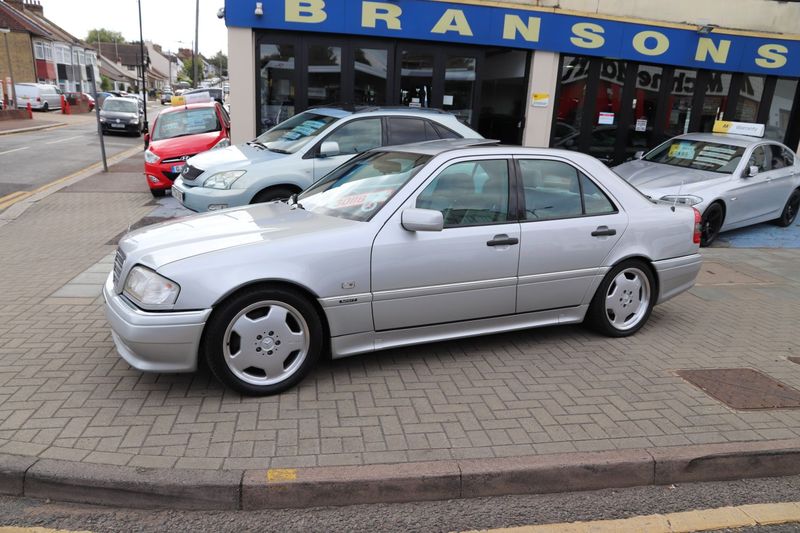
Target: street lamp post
[[144, 80], [5, 32], [196, 38]]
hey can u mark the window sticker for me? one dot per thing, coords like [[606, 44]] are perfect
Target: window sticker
[[309, 127], [681, 151]]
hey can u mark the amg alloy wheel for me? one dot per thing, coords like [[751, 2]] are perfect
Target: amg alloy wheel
[[624, 300]]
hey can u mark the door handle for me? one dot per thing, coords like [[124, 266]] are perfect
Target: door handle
[[603, 231], [502, 240]]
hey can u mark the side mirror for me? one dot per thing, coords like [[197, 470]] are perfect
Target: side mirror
[[752, 171], [639, 154], [329, 149], [414, 219]]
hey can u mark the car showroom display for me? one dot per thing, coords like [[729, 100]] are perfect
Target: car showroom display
[[400, 246], [734, 180]]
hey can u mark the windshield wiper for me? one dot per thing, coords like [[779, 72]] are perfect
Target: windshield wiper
[[294, 204], [256, 143]]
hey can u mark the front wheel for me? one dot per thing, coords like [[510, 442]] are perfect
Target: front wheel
[[46, 107], [624, 300], [263, 341], [710, 224], [272, 194], [789, 214]]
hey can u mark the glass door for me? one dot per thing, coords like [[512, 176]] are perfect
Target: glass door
[[277, 84], [459, 86], [416, 77], [503, 94]]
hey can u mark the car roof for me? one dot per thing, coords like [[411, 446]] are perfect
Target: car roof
[[440, 146], [487, 147], [198, 105], [727, 138], [343, 110]]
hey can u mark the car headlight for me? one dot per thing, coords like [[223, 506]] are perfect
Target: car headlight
[[134, 121], [224, 143], [148, 288], [683, 199], [102, 119], [223, 180], [150, 157]]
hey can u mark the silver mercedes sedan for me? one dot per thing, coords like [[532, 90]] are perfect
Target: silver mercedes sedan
[[399, 246], [733, 180]]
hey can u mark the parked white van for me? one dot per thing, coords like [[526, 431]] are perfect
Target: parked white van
[[41, 96]]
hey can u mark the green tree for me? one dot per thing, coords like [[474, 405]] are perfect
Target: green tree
[[105, 83], [188, 71], [220, 61], [104, 36]]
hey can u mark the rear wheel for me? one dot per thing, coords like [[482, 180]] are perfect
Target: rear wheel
[[711, 223], [624, 300], [46, 107], [263, 341], [789, 214], [272, 194]]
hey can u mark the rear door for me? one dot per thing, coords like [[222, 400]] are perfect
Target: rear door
[[569, 228]]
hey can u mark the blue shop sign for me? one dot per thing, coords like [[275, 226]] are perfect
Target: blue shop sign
[[531, 28]]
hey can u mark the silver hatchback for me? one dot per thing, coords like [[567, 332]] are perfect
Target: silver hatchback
[[400, 246]]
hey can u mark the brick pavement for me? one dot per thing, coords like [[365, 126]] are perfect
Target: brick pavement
[[65, 394]]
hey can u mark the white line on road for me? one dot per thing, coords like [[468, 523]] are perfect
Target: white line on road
[[65, 139], [14, 150]]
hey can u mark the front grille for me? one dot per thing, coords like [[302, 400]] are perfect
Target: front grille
[[171, 176], [178, 159], [119, 260], [190, 172]]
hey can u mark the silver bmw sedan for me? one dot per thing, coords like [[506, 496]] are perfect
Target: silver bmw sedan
[[399, 246]]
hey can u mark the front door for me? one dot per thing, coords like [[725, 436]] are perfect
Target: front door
[[752, 197], [466, 271], [570, 227]]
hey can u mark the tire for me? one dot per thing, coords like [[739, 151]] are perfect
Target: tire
[[789, 214], [158, 193], [710, 224], [46, 107], [263, 340], [624, 300], [272, 194]]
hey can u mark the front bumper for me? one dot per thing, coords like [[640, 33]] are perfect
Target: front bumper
[[162, 172], [150, 341], [129, 128], [200, 198], [677, 275]]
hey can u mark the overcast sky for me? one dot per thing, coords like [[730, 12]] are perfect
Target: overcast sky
[[165, 22]]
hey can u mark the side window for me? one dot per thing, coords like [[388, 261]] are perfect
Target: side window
[[788, 157], [552, 189], [759, 159], [595, 201], [777, 155], [446, 133], [430, 132], [469, 193], [406, 130], [357, 136]]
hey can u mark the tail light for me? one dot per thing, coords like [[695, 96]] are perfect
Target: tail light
[[697, 226]]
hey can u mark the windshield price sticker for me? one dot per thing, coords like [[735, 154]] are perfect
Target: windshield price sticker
[[309, 127], [681, 151]]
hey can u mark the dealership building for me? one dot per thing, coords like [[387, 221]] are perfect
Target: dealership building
[[605, 77]]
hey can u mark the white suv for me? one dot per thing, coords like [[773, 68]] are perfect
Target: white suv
[[292, 155]]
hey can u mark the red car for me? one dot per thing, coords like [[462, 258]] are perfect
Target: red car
[[177, 134]]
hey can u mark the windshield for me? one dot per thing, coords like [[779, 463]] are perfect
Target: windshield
[[186, 122], [123, 106], [359, 189], [294, 133], [700, 155]]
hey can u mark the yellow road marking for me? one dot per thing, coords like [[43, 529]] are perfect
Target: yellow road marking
[[685, 522], [12, 529], [281, 474], [10, 199]]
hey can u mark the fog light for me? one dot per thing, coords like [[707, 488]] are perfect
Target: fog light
[[152, 179], [217, 207]]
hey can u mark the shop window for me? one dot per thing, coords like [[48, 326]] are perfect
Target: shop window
[[277, 87], [641, 134], [503, 95], [608, 104], [571, 102], [780, 109], [679, 103], [750, 95], [324, 74], [416, 79], [459, 86], [715, 100], [371, 72]]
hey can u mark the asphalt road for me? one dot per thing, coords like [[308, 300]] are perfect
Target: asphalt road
[[454, 515], [32, 159]]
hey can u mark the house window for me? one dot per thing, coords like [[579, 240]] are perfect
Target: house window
[[81, 57], [75, 57], [38, 50], [48, 51]]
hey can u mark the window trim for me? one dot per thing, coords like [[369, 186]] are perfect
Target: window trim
[[522, 212], [512, 210]]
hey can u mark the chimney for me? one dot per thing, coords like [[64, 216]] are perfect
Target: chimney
[[35, 7], [16, 4]]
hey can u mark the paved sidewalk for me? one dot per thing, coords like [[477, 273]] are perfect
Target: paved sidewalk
[[65, 394]]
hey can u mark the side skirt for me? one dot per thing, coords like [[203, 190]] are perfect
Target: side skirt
[[347, 345]]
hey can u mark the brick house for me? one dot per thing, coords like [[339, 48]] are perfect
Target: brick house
[[24, 35]]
